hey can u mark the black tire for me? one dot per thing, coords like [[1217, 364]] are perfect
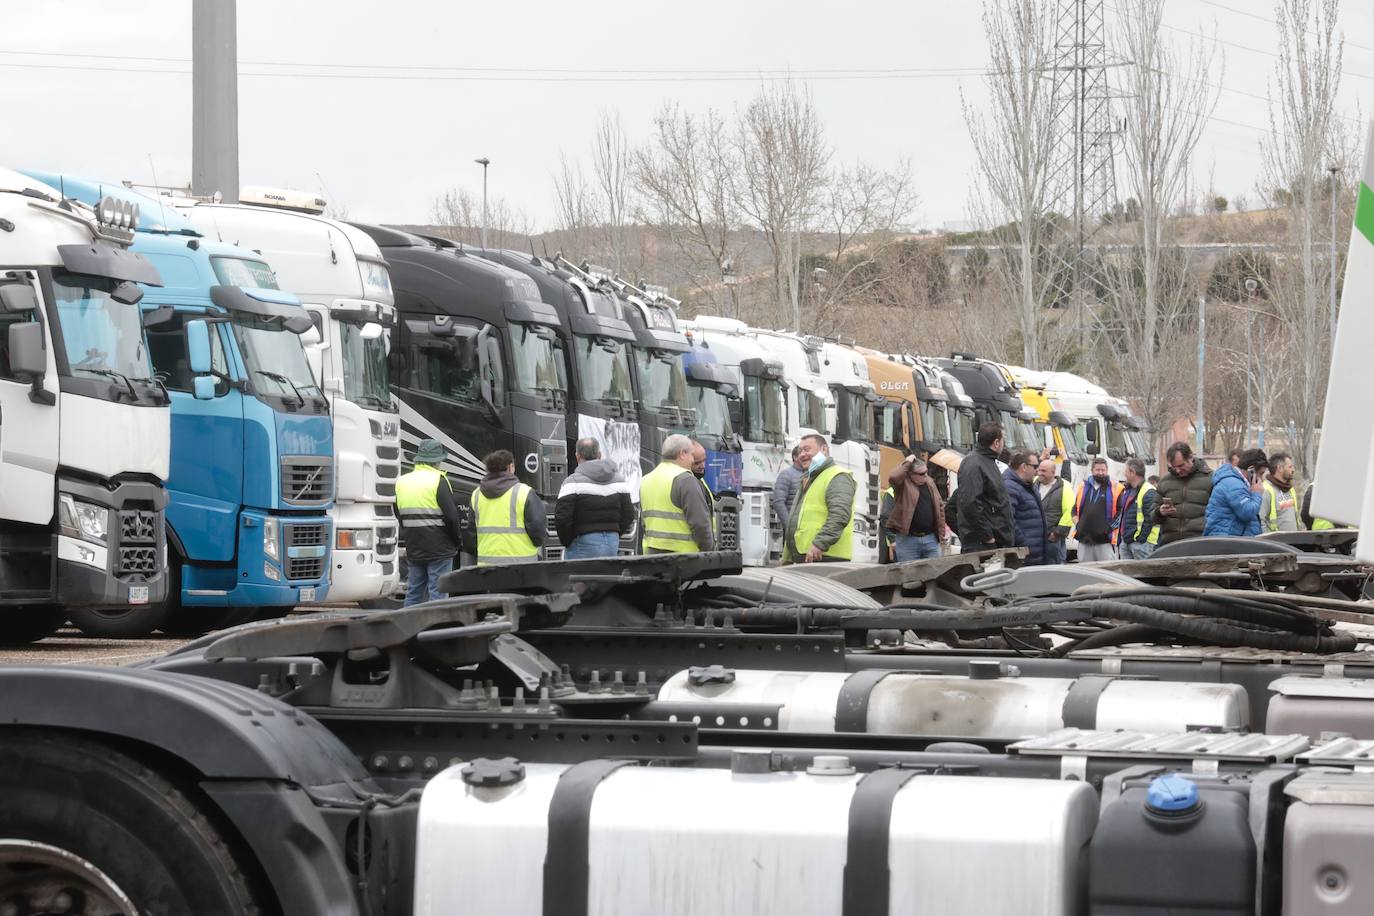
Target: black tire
[[23, 625], [197, 621], [150, 836], [122, 622]]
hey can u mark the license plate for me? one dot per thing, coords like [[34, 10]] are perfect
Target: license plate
[[138, 594], [307, 594]]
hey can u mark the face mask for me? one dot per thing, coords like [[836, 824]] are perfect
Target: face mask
[[817, 460]]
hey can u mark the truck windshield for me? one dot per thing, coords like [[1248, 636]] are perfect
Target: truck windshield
[[364, 367], [935, 422], [961, 428], [1073, 443], [713, 415], [538, 362], [1141, 446], [661, 379], [1118, 445], [103, 338], [811, 411], [762, 409], [274, 357], [604, 368]]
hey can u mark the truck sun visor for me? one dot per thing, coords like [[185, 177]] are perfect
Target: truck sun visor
[[263, 303], [710, 374], [105, 260], [761, 368], [1060, 418]]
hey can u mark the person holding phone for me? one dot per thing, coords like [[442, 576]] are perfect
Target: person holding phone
[[1183, 495], [1237, 491]]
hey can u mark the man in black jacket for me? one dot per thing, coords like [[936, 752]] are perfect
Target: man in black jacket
[[985, 518], [594, 508]]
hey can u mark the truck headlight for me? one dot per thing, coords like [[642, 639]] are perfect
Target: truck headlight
[[271, 538], [354, 539], [83, 519]]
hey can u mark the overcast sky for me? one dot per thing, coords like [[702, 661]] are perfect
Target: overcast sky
[[385, 142]]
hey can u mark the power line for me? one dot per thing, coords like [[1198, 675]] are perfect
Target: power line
[[1231, 9]]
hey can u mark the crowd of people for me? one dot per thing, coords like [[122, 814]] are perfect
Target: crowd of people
[[1028, 504]]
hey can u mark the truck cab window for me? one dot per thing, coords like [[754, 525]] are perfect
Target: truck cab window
[[172, 362]]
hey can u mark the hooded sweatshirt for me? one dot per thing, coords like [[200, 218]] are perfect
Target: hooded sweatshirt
[[593, 498], [494, 486]]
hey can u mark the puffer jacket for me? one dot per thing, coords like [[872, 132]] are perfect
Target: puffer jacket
[[1233, 509], [1189, 495], [595, 497], [1028, 515]]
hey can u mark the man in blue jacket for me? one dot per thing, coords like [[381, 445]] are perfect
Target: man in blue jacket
[[1237, 491], [1026, 511]]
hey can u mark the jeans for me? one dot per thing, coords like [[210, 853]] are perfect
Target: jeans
[[591, 545], [422, 579], [1139, 550], [1056, 552], [915, 547], [1095, 553]]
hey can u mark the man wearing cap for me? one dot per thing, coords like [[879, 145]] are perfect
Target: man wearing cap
[[429, 523]]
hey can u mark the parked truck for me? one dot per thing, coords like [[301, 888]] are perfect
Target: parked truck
[[339, 274], [715, 394], [251, 476], [83, 458]]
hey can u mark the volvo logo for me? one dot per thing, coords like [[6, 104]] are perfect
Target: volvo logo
[[531, 462]]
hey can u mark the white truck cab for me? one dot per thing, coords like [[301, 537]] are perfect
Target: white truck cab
[[87, 426], [339, 274]]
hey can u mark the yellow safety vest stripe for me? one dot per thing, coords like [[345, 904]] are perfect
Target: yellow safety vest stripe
[[665, 524], [814, 512], [501, 534]]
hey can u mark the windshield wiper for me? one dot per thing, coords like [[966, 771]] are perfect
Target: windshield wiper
[[278, 377], [110, 373]]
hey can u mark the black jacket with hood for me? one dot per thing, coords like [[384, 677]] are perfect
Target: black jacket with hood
[[595, 497]]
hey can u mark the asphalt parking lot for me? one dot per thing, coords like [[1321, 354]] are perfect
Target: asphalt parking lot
[[70, 647]]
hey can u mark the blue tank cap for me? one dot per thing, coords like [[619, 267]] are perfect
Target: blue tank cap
[[1171, 794]]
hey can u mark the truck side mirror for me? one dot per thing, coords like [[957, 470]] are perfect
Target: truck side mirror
[[17, 298], [204, 387], [198, 346], [28, 356], [735, 408], [127, 292], [1091, 430], [1091, 448]]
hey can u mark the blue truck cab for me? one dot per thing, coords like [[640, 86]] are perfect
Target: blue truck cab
[[251, 475]]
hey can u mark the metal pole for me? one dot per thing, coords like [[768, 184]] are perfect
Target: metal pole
[[1201, 373], [484, 162], [214, 99], [1335, 170], [1249, 372], [1263, 390]]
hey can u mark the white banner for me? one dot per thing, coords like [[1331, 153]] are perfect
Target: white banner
[[619, 442]]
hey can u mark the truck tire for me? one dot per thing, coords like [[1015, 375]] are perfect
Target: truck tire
[[22, 626], [108, 815], [123, 622]]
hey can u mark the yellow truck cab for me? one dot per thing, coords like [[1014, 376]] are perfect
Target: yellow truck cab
[[896, 421]]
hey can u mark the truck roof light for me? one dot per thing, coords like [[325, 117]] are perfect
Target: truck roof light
[[282, 199]]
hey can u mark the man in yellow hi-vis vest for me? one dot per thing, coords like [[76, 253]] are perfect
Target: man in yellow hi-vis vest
[[820, 525], [674, 513], [509, 521], [1279, 502], [429, 523]]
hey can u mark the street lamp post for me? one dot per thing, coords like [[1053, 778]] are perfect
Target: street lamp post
[[484, 162], [1251, 287], [1201, 372]]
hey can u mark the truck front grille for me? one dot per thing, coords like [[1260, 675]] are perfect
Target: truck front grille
[[137, 561], [307, 480], [305, 568], [307, 535], [389, 471], [386, 489], [138, 526], [727, 523]]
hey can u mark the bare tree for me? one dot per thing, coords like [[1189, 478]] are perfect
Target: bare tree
[[1305, 132], [457, 214], [1013, 144], [575, 201], [780, 147], [611, 167], [685, 176], [1165, 103]]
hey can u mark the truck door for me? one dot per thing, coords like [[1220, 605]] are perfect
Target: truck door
[[205, 480], [30, 456]]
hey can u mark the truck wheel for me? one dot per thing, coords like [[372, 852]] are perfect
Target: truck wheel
[[88, 829], [22, 626], [129, 621]]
